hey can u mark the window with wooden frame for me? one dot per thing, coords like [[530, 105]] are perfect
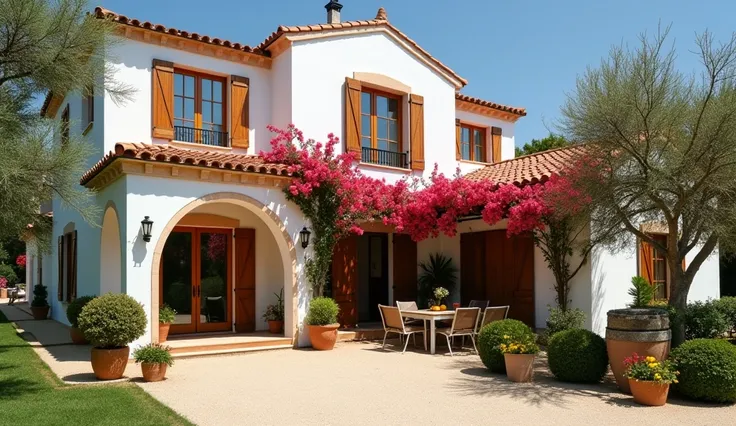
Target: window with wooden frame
[[65, 126], [88, 108], [653, 265], [200, 108], [380, 127], [472, 143]]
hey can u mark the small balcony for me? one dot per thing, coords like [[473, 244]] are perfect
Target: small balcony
[[201, 136], [385, 158]]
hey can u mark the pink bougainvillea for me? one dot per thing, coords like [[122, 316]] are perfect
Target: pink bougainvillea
[[3, 282], [21, 260]]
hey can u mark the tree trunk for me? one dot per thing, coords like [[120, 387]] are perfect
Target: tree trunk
[[678, 299]]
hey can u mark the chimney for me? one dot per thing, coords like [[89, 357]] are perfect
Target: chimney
[[333, 11]]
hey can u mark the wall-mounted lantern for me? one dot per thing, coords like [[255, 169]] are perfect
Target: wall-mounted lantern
[[146, 225], [304, 237]]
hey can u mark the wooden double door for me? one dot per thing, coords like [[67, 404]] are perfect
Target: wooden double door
[[196, 279], [499, 269]]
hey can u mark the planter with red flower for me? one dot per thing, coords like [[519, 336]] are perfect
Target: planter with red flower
[[649, 379], [518, 355], [3, 288]]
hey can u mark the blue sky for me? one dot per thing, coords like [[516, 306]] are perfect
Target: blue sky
[[521, 53]]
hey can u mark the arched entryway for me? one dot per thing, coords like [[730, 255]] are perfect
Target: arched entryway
[[219, 261], [110, 253]]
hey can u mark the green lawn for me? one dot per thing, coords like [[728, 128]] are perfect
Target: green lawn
[[30, 394]]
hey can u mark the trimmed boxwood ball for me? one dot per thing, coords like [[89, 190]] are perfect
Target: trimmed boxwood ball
[[75, 308], [112, 321], [492, 335], [707, 370], [578, 356]]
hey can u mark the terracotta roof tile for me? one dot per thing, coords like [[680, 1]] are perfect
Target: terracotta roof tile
[[103, 13], [488, 104], [183, 156], [529, 169], [379, 21]]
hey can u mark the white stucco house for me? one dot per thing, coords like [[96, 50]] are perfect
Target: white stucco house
[[224, 239]]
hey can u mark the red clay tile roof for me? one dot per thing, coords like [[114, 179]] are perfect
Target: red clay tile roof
[[183, 156], [379, 21], [101, 12], [488, 104], [529, 169]]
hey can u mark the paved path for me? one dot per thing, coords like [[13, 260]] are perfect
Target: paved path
[[359, 384]]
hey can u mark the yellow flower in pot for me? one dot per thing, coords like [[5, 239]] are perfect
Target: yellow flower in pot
[[519, 354]]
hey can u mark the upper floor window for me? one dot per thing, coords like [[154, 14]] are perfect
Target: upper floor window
[[88, 108], [381, 128], [472, 143], [65, 126], [199, 108]]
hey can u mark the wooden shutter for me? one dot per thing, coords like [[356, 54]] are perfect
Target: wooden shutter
[[240, 100], [352, 115], [163, 99], [416, 104], [71, 293], [496, 144], [60, 272], [458, 143], [646, 263], [245, 280], [345, 279], [405, 268]]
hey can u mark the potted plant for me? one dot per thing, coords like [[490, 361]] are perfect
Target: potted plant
[[439, 271], [275, 314], [518, 355], [438, 303], [40, 304], [72, 314], [649, 379], [322, 323], [3, 288], [110, 323], [166, 316], [154, 359]]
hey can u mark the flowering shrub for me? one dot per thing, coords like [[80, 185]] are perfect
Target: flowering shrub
[[648, 369], [21, 260], [3, 282], [523, 344]]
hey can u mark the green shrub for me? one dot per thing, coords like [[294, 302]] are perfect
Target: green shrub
[[322, 311], [642, 292], [727, 307], [40, 296], [112, 321], [166, 314], [560, 320], [493, 334], [578, 355], [153, 353], [9, 274], [704, 321], [707, 370], [75, 308]]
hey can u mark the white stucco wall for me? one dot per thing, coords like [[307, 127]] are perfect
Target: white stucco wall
[[133, 60], [269, 267], [145, 198], [111, 266]]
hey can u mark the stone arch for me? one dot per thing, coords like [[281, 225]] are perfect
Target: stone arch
[[275, 225], [111, 263]]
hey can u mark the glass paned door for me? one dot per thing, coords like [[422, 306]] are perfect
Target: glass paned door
[[195, 279]]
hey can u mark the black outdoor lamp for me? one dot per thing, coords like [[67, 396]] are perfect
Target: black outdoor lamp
[[146, 225], [304, 237]]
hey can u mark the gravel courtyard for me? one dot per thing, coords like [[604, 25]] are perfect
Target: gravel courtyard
[[360, 384]]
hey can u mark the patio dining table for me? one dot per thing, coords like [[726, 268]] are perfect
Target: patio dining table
[[432, 317]]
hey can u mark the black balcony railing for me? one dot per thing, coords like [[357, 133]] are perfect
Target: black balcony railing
[[384, 158], [203, 136]]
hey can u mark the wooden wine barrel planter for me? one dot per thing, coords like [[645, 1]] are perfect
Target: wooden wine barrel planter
[[645, 332]]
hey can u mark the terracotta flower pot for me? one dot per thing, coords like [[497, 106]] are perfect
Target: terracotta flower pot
[[109, 364], [649, 393], [3, 293], [77, 336], [645, 332], [323, 337], [519, 367], [153, 372], [40, 312], [275, 327], [163, 331]]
